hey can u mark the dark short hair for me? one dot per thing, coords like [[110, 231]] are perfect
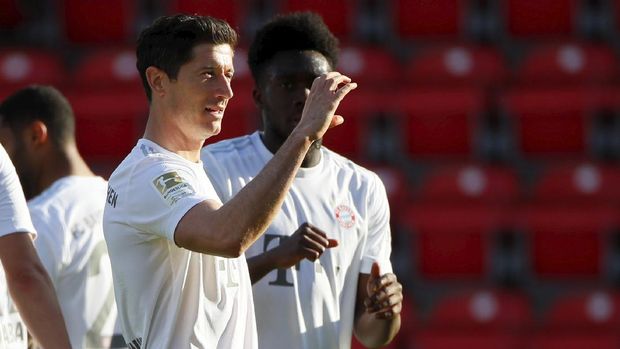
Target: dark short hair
[[43, 103], [167, 44], [300, 31]]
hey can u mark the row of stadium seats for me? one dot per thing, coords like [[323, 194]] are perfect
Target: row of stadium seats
[[433, 114], [117, 20], [473, 222], [497, 319], [439, 65]]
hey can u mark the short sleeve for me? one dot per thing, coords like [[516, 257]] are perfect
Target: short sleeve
[[160, 193], [14, 215], [379, 241], [218, 175]]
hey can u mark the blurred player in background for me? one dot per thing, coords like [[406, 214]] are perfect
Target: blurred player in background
[[180, 276], [322, 270], [66, 203], [22, 275]]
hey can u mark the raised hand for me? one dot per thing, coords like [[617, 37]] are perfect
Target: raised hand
[[385, 294], [325, 95], [308, 242]]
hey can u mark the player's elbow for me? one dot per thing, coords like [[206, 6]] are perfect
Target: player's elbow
[[26, 279]]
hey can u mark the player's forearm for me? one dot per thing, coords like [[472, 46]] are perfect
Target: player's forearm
[[261, 265], [34, 295], [375, 333], [239, 222]]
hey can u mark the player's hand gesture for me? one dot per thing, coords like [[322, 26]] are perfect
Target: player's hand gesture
[[385, 294], [325, 95], [307, 242]]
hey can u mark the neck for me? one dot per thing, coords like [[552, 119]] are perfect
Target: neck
[[62, 163], [272, 142], [171, 137]]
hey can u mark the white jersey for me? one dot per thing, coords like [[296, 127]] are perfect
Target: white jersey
[[310, 305], [167, 296], [68, 218], [14, 218]]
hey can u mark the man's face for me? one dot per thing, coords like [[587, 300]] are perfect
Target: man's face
[[284, 88], [22, 158], [202, 89]]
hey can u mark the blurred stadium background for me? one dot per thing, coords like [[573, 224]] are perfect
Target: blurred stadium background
[[495, 126]]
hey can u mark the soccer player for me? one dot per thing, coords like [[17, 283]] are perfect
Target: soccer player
[[180, 277], [22, 275], [66, 202], [321, 271]]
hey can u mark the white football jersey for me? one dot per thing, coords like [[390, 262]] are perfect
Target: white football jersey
[[14, 218], [310, 305], [68, 217], [168, 296]]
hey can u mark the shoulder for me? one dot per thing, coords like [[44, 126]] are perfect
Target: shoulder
[[346, 166], [227, 148]]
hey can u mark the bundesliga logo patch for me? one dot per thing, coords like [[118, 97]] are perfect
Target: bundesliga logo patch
[[172, 187], [345, 216]]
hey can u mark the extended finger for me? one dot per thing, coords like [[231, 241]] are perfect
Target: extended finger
[[335, 81], [324, 77], [318, 245], [317, 236], [345, 89], [336, 120]]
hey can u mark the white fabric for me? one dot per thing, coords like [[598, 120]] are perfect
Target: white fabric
[[68, 218], [167, 296], [312, 305], [14, 218]]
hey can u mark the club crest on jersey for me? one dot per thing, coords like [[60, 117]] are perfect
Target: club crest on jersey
[[172, 187], [345, 216]]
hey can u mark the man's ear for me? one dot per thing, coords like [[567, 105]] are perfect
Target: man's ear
[[157, 79], [257, 96], [37, 133]]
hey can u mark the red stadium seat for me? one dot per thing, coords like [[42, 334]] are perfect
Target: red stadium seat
[[457, 340], [568, 63], [98, 21], [423, 19], [453, 241], [567, 241], [358, 109], [108, 122], [108, 68], [554, 121], [527, 18], [470, 183], [21, 67], [457, 64], [482, 310], [339, 15], [369, 65], [226, 10], [579, 183], [590, 310], [440, 122], [11, 15], [572, 340]]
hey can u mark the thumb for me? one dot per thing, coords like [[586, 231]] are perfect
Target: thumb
[[374, 271], [336, 120], [332, 243]]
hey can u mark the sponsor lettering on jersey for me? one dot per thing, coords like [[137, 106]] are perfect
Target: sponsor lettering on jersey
[[345, 216], [172, 187], [112, 197]]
